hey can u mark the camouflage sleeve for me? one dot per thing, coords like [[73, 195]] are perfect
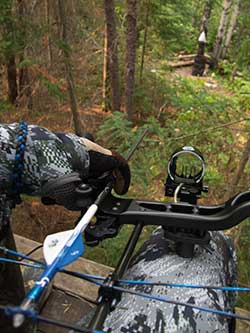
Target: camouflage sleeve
[[157, 261], [48, 155]]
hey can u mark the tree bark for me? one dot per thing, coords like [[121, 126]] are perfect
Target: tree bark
[[47, 19], [240, 170], [221, 31], [112, 52], [24, 80], [206, 15], [130, 56], [105, 106], [10, 58], [12, 79], [68, 71], [144, 39], [231, 28]]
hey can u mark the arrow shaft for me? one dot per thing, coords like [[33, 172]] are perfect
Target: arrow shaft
[[36, 292], [52, 269]]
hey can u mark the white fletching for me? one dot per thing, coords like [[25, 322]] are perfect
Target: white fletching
[[54, 243]]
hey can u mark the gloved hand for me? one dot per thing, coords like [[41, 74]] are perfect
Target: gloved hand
[[102, 164], [103, 160]]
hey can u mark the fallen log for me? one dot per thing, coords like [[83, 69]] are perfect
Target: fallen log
[[181, 64], [185, 57]]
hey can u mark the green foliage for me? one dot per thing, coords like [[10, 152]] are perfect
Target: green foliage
[[110, 250], [189, 118], [8, 41], [53, 89], [62, 45], [4, 106], [174, 26]]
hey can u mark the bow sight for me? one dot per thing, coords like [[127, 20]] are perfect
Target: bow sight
[[186, 169]]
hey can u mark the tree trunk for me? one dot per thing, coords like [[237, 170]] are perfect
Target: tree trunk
[[113, 66], [145, 39], [47, 19], [24, 82], [206, 15], [240, 170], [9, 52], [12, 79], [130, 57], [68, 71], [231, 27], [105, 105], [221, 31]]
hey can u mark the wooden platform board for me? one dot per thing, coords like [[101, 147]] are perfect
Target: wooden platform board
[[67, 300]]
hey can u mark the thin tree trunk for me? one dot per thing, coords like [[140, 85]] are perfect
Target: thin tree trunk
[[12, 79], [10, 59], [47, 18], [130, 57], [231, 28], [68, 71], [221, 30], [206, 15], [240, 170], [24, 81], [145, 39], [105, 73], [112, 47]]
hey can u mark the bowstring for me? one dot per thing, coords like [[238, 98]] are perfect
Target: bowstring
[[95, 279], [128, 282]]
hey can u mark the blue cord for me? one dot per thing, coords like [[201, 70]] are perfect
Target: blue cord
[[129, 282], [180, 285], [22, 131], [171, 301], [157, 298], [21, 263], [23, 256]]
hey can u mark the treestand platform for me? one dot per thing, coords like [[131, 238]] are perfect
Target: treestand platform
[[70, 298]]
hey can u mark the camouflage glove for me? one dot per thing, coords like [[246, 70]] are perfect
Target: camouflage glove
[[103, 160]]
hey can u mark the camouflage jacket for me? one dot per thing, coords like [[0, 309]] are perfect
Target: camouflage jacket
[[47, 156], [157, 261]]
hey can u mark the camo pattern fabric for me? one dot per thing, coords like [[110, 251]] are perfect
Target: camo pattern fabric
[[157, 261], [47, 156]]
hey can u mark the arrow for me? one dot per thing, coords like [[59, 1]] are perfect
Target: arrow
[[60, 249]]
